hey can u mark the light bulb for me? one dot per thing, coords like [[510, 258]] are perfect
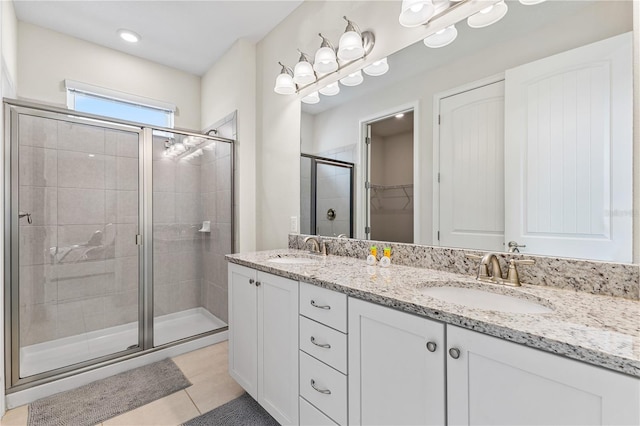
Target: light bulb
[[377, 68]]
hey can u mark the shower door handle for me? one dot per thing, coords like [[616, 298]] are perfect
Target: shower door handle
[[27, 215]]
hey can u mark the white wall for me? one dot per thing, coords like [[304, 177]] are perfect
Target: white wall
[[636, 132], [342, 123], [46, 58], [9, 47], [230, 85]]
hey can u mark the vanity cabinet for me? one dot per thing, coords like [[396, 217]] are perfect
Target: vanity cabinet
[[396, 367], [493, 381], [263, 339]]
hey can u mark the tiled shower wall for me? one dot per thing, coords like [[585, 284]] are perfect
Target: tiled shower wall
[[78, 259], [189, 267]]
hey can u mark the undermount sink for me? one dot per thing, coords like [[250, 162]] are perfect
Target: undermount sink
[[479, 299], [294, 260]]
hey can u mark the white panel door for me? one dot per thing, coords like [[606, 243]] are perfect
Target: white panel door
[[278, 347], [243, 328], [394, 376], [568, 152], [495, 382], [472, 169]]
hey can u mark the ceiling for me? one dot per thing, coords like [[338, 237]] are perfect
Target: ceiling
[[183, 34], [392, 126]]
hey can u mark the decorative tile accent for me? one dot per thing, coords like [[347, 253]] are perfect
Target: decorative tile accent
[[604, 278]]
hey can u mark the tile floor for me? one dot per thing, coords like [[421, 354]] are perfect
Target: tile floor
[[211, 387]]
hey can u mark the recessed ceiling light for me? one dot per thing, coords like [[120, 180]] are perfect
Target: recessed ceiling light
[[399, 115], [129, 36]]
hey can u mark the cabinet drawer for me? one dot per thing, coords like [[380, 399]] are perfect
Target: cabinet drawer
[[324, 387], [324, 343], [311, 416], [325, 306]]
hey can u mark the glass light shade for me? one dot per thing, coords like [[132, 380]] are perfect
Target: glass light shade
[[350, 46], [330, 90], [416, 12], [531, 2], [284, 85], [377, 68], [442, 38], [311, 98], [353, 79], [303, 73], [488, 16], [325, 60]]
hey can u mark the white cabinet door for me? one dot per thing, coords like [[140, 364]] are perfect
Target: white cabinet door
[[278, 347], [568, 120], [394, 379], [495, 382], [471, 166], [243, 328]]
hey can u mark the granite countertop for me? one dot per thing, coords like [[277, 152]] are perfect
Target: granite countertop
[[599, 330]]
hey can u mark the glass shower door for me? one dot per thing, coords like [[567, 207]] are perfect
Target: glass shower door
[[75, 255]]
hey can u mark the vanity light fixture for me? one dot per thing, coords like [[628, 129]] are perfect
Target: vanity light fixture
[[416, 12], [488, 16], [377, 68], [303, 71], [353, 79], [325, 61], [351, 45], [331, 89], [284, 81], [442, 38], [311, 98], [128, 35]]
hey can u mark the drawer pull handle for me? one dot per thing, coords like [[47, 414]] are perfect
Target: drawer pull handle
[[431, 346], [258, 283], [322, 345], [251, 281], [454, 353], [315, 305], [323, 391]]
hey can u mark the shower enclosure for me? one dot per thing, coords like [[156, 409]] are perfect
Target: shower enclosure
[[116, 236]]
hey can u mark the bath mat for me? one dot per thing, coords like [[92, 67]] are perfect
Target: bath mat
[[242, 411], [103, 399]]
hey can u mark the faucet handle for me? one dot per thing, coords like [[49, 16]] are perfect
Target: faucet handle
[[512, 275], [483, 270]]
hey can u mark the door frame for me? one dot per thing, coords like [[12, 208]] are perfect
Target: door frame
[[437, 98], [362, 217]]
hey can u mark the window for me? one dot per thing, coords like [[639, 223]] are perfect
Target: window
[[109, 103]]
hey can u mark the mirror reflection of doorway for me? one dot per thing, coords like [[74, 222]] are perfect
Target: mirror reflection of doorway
[[326, 196], [390, 184]]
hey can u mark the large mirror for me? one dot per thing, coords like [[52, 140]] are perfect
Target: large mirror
[[515, 137]]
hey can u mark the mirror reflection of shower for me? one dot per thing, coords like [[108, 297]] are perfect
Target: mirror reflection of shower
[[326, 196]]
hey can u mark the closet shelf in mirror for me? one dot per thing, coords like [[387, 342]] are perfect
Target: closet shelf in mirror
[[390, 197]]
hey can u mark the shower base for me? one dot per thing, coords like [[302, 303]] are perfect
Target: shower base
[[71, 350]]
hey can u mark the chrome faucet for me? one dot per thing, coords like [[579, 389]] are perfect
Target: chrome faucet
[[318, 246], [494, 274]]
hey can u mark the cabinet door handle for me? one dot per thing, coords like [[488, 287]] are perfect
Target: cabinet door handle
[[315, 305], [258, 283], [431, 346], [454, 353], [317, 389], [251, 281], [322, 345]]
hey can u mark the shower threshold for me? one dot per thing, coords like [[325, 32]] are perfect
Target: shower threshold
[[67, 351]]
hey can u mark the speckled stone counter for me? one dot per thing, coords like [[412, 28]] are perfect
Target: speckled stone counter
[[596, 329]]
